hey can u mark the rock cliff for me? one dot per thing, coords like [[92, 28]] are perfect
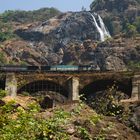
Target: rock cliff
[[73, 38], [117, 13]]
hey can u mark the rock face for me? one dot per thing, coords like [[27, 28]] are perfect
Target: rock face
[[117, 13], [135, 119], [72, 38]]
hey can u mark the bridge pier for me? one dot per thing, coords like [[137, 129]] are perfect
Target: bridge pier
[[136, 87], [73, 89], [11, 84]]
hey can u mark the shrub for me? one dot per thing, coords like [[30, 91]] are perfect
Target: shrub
[[3, 93], [84, 134], [3, 59], [6, 31], [134, 65], [9, 107], [107, 103], [131, 30], [27, 124]]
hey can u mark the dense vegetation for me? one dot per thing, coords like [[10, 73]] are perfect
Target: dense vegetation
[[69, 122], [29, 16], [6, 31], [19, 123]]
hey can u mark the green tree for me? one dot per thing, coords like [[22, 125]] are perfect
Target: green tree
[[131, 30]]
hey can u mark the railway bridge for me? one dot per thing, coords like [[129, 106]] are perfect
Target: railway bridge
[[69, 85]]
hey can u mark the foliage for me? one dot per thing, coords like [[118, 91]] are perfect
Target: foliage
[[134, 65], [106, 103], [9, 107], [2, 58], [33, 107], [26, 124], [131, 30], [6, 31], [78, 109], [84, 134], [103, 131], [95, 119], [29, 16], [3, 93]]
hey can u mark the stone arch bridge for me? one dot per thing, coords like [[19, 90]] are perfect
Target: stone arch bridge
[[70, 85]]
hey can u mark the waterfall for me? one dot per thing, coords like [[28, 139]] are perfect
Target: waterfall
[[104, 29], [100, 28]]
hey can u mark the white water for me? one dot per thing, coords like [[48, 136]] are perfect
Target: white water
[[104, 34]]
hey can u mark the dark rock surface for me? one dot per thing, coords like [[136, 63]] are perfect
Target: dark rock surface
[[72, 38], [135, 118]]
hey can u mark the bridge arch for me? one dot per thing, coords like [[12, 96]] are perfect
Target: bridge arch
[[104, 84], [43, 86]]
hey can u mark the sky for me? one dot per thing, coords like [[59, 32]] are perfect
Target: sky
[[62, 5]]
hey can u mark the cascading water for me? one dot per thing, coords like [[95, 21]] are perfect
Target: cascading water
[[98, 28], [104, 29], [104, 34]]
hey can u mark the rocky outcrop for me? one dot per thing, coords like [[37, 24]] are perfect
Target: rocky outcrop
[[117, 13], [72, 38], [135, 118]]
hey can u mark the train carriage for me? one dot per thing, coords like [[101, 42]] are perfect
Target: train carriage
[[54, 68], [64, 68], [13, 68]]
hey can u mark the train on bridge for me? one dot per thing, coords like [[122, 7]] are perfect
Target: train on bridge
[[53, 68]]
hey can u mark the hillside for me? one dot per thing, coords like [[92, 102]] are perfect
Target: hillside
[[28, 16], [106, 37], [119, 15], [76, 121], [73, 37]]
